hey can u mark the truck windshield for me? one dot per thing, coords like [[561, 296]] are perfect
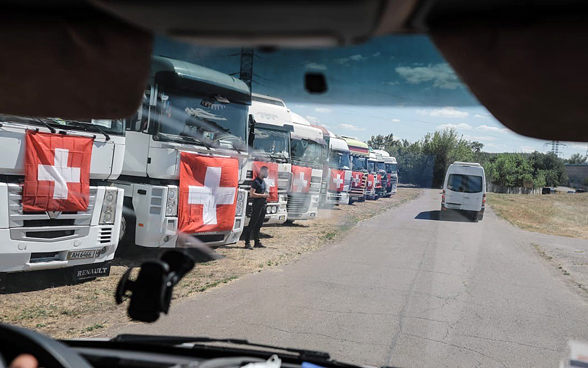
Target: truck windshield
[[305, 152], [464, 183], [94, 125], [339, 160], [390, 168], [359, 163], [198, 116], [274, 143], [371, 166], [381, 166]]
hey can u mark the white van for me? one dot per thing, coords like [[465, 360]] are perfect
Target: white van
[[465, 189]]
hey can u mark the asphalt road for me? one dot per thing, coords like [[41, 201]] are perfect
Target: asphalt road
[[403, 289]]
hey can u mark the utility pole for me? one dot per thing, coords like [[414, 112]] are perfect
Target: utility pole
[[555, 145], [246, 71]]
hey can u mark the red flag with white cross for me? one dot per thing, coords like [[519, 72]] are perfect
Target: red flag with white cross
[[271, 182], [378, 181], [208, 193], [57, 172], [370, 182], [337, 180], [301, 179], [356, 179]]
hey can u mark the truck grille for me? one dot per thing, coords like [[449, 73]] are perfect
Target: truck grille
[[20, 219], [283, 182], [315, 184], [298, 203]]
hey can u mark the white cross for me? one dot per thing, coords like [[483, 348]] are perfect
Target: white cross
[[269, 183], [369, 183], [299, 182], [356, 180], [211, 195], [59, 173], [338, 181]]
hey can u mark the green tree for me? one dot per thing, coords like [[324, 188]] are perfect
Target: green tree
[[552, 166], [577, 159], [385, 142]]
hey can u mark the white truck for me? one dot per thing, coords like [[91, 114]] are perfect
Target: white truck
[[387, 169], [188, 111], [58, 210], [307, 151], [336, 170], [392, 170], [271, 146]]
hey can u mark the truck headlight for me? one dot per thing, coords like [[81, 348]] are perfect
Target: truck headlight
[[268, 210], [171, 207], [274, 209], [108, 212], [241, 195]]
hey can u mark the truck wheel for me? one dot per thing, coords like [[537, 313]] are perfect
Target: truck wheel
[[289, 222], [350, 201], [127, 227], [362, 199]]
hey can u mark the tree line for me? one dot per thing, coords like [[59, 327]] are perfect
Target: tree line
[[425, 162]]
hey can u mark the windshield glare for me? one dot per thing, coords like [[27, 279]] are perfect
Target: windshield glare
[[273, 142], [200, 116], [106, 125], [306, 152], [339, 160]]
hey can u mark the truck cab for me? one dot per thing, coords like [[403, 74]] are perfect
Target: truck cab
[[271, 145], [381, 177], [336, 170], [359, 175], [307, 150], [372, 191], [188, 112], [392, 172], [85, 240], [382, 167]]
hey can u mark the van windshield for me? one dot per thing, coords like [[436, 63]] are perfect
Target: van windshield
[[464, 183]]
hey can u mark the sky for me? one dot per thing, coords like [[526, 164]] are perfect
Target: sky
[[397, 85]]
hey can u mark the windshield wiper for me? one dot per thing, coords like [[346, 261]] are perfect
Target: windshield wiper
[[178, 340], [89, 126], [40, 121]]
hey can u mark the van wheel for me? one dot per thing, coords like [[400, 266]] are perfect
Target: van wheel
[[481, 216], [126, 239]]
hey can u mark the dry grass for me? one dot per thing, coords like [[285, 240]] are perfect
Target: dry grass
[[564, 214], [88, 309]]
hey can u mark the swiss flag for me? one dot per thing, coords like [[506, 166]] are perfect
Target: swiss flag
[[370, 182], [301, 179], [337, 181], [57, 172], [378, 181], [389, 181], [208, 193], [271, 181], [356, 178]]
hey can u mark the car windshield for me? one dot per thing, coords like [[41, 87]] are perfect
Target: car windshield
[[116, 127], [272, 142], [201, 116], [306, 152], [339, 160], [464, 183], [436, 267]]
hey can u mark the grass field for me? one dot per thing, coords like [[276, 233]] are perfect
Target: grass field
[[558, 214]]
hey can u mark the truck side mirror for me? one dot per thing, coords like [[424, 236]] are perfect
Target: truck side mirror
[[251, 137]]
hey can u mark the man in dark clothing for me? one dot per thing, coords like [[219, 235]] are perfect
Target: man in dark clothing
[[259, 193]]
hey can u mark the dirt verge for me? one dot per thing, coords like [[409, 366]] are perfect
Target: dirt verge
[[87, 309]]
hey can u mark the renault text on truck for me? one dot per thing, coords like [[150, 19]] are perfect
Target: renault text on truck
[[185, 148], [359, 174], [336, 170], [464, 190], [307, 145], [59, 211], [271, 147]]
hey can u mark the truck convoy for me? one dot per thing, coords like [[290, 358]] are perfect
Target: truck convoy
[[271, 147], [185, 150], [359, 154], [59, 210], [336, 170], [307, 146]]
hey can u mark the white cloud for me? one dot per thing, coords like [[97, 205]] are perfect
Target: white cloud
[[323, 109], [315, 66], [528, 149], [579, 146], [357, 57], [395, 120], [300, 106], [480, 116], [479, 138], [392, 83], [461, 126], [350, 127], [441, 75], [342, 61], [313, 119], [376, 54], [488, 128], [445, 112]]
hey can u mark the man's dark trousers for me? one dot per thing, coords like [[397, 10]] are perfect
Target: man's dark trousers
[[256, 221]]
